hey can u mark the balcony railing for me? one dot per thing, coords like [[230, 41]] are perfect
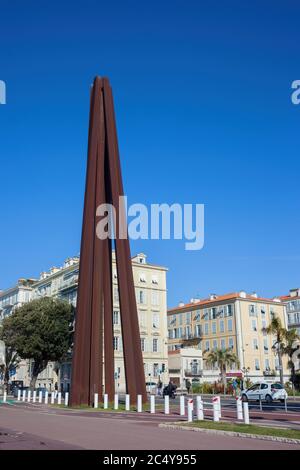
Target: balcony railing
[[191, 339], [193, 372], [269, 373]]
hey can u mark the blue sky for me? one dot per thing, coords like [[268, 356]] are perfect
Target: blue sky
[[204, 115]]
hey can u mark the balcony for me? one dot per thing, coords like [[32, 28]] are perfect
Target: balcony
[[69, 283], [194, 372], [190, 339], [269, 373]]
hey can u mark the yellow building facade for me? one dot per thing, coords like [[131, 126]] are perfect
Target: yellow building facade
[[235, 321]]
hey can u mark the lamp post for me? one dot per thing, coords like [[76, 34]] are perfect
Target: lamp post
[[245, 371]]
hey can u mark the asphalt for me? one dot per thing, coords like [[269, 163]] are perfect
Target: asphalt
[[32, 427]]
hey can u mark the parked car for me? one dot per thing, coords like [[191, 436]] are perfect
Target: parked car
[[265, 391]]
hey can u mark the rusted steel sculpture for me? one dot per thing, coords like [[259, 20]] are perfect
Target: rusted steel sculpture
[[94, 314]]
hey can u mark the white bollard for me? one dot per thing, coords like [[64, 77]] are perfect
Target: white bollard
[[46, 397], [66, 398], [127, 402], [167, 404], [40, 397], [116, 404], [190, 408], [139, 404], [182, 405], [239, 408], [216, 414], [4, 397], [152, 404], [52, 398], [246, 413], [200, 415], [105, 401], [96, 400], [19, 395], [24, 395], [219, 406], [34, 396], [29, 395], [59, 398]]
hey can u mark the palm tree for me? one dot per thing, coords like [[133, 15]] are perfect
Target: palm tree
[[11, 362], [276, 329], [223, 358], [290, 347]]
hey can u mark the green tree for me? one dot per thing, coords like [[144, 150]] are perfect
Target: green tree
[[276, 329], [40, 330], [290, 346], [11, 362], [223, 358]]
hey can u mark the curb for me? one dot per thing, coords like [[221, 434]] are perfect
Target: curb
[[285, 440]]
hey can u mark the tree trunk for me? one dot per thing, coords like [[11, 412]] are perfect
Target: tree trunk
[[37, 368], [280, 364]]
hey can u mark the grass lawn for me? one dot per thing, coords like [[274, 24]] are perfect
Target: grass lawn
[[246, 428]]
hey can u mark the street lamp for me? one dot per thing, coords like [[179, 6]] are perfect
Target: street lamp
[[245, 371]]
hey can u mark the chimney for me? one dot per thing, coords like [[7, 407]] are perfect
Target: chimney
[[243, 294], [213, 296], [181, 304]]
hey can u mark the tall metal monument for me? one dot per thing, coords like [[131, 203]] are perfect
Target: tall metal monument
[[93, 340]]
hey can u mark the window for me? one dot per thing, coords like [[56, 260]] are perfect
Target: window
[[142, 277], [155, 320], [267, 364], [222, 326], [116, 343], [263, 310], [230, 343], [229, 311], [188, 331], [266, 346], [223, 345], [257, 366], [197, 315], [154, 297], [206, 345], [214, 328], [206, 328], [205, 314], [154, 280], [143, 344], [116, 294], [116, 317], [188, 317], [155, 370], [252, 310], [264, 325], [155, 345], [254, 325], [180, 319], [213, 313], [170, 334], [198, 330], [142, 298], [255, 343], [142, 318], [221, 312], [229, 325], [215, 344]]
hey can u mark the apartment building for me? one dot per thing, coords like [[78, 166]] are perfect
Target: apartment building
[[151, 292], [235, 321], [292, 301]]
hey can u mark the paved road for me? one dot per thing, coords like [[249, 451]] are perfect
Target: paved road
[[62, 429]]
